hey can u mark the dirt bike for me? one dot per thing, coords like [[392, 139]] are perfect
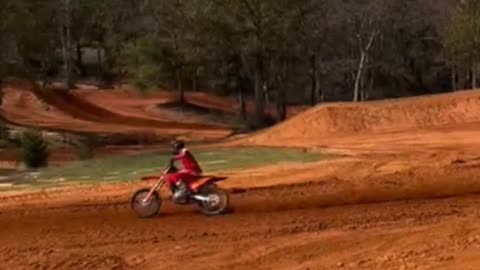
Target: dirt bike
[[204, 192]]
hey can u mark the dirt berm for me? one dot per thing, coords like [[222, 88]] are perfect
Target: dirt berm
[[346, 119], [80, 108]]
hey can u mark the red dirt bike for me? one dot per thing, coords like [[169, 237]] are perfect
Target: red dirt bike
[[204, 192]]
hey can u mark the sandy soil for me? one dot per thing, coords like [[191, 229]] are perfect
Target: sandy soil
[[401, 195]]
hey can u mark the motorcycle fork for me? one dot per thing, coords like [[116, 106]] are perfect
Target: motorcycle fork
[[156, 187]]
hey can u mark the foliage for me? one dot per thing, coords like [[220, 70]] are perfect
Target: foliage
[[34, 149], [276, 51], [463, 32]]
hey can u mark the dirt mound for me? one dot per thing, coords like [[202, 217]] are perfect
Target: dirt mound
[[231, 105], [23, 106], [80, 108], [133, 102], [345, 119]]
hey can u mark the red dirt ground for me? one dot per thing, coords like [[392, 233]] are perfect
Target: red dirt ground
[[320, 125], [110, 111], [401, 197], [59, 111], [129, 101]]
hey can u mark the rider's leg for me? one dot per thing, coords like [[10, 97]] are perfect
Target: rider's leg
[[177, 185], [182, 183], [181, 189], [172, 180]]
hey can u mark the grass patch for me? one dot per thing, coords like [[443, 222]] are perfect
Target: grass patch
[[132, 168]]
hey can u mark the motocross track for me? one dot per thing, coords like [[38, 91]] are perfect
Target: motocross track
[[401, 195], [131, 102], [115, 111], [58, 110], [122, 115]]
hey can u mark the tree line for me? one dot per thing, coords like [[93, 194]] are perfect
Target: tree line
[[277, 51]]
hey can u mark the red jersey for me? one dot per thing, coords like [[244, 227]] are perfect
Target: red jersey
[[189, 164]]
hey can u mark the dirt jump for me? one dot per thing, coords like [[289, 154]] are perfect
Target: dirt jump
[[398, 192], [58, 110]]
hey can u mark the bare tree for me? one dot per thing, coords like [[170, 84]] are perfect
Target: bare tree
[[66, 37], [369, 21]]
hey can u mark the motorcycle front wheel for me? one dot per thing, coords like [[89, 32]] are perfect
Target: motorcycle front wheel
[[145, 209]]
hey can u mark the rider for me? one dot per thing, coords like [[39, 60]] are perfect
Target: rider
[[190, 170]]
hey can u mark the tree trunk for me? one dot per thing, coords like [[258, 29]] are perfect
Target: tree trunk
[[195, 81], [1, 92], [259, 94], [241, 100], [361, 64], [358, 77], [99, 61], [474, 75], [315, 87], [80, 59], [362, 88], [241, 77], [281, 93], [107, 66], [67, 44], [266, 91], [318, 89], [180, 89], [312, 92], [370, 86], [454, 77], [282, 104]]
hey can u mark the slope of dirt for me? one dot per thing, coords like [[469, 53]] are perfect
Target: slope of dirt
[[333, 120], [153, 106], [131, 102], [78, 107], [21, 107]]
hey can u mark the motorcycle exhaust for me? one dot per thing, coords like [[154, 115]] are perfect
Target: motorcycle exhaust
[[200, 198]]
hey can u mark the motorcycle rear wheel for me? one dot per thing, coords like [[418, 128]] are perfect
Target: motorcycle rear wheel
[[218, 203], [148, 209]]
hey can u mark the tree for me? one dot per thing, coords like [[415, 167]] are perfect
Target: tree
[[277, 52], [170, 34], [366, 25], [463, 37], [259, 35], [34, 151], [66, 37], [31, 40]]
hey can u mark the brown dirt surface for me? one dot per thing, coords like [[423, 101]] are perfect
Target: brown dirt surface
[[57, 110], [131, 102], [321, 123], [78, 107], [402, 194], [399, 218]]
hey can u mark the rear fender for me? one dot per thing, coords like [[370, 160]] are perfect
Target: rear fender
[[206, 180]]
